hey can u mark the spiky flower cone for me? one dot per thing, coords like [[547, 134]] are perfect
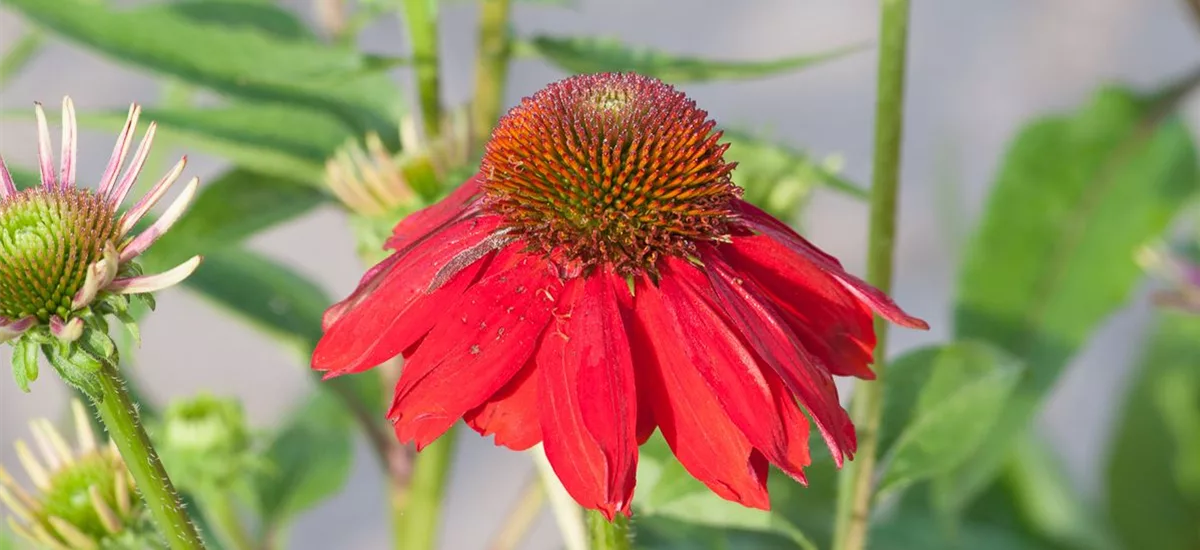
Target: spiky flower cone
[[67, 253], [84, 499]]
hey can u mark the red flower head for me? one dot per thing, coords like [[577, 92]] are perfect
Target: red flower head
[[601, 277]]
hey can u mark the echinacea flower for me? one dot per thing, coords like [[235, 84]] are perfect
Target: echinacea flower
[[66, 252], [85, 497], [599, 278]]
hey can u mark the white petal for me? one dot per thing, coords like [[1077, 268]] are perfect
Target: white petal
[[12, 329], [45, 156], [70, 143], [143, 241], [152, 283], [139, 159], [119, 151], [134, 215]]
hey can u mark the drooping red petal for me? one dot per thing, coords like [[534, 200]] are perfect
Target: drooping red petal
[[831, 322], [700, 433], [642, 364], [431, 218], [400, 306], [763, 223], [763, 328], [703, 338], [588, 397], [476, 348], [512, 413]]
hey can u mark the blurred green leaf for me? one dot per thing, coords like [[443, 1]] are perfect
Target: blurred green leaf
[[308, 460], [229, 56], [8, 541], [24, 50], [282, 303], [906, 530], [269, 295], [596, 55], [962, 390], [229, 210], [24, 177], [1153, 491], [1076, 196], [260, 15], [667, 491], [779, 178]]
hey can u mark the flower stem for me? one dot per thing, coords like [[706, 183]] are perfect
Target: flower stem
[[521, 517], [416, 520], [857, 482], [608, 535], [491, 67], [421, 17], [222, 515], [120, 416]]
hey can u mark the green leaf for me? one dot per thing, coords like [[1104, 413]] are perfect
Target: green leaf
[[1054, 256], [779, 178], [282, 303], [269, 295], [667, 491], [907, 530], [1153, 488], [596, 55], [260, 15], [233, 58], [25, 362], [308, 460], [20, 54], [229, 210], [24, 177], [277, 140], [962, 390]]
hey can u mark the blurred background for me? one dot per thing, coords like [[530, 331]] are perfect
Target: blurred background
[[978, 70]]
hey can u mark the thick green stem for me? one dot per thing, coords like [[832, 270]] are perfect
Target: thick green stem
[[608, 535], [120, 417], [491, 67], [417, 515], [421, 17], [857, 483]]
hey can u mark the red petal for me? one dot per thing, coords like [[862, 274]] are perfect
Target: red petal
[[831, 322], [400, 306], [776, 345], [474, 350], [642, 364], [433, 217], [703, 339], [512, 413], [763, 223], [588, 399], [700, 433]]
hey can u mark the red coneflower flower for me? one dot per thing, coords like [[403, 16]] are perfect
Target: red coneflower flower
[[601, 277]]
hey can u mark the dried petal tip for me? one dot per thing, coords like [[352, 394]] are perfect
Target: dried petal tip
[[617, 169]]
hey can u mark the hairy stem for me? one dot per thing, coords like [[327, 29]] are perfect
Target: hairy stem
[[491, 67], [417, 514], [857, 483], [608, 535], [421, 18], [120, 416]]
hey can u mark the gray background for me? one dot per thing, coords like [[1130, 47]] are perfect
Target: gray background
[[978, 69]]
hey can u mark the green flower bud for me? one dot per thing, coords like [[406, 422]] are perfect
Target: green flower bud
[[85, 497]]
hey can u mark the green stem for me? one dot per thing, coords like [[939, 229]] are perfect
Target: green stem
[[608, 535], [857, 482], [421, 17], [417, 514], [491, 67], [120, 417], [223, 517]]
